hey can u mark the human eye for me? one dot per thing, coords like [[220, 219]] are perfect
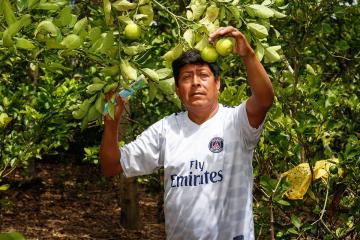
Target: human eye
[[204, 74], [186, 77]]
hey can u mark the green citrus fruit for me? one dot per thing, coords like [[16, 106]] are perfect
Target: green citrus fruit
[[279, 2], [333, 169], [224, 46], [132, 31], [209, 54]]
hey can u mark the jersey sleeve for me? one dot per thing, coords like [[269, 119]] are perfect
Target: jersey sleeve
[[249, 134], [142, 156]]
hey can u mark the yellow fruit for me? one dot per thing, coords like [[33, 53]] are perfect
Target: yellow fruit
[[224, 46], [132, 31], [279, 2], [209, 54]]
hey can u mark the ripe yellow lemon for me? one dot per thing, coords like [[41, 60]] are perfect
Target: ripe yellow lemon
[[209, 54], [132, 31], [224, 46]]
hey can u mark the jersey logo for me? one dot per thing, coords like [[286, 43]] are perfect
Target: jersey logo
[[216, 145]]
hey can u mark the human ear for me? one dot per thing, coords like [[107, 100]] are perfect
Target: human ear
[[218, 83]]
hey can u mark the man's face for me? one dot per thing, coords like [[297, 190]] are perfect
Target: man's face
[[197, 87]]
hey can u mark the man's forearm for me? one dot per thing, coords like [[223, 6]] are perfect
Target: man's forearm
[[109, 151], [260, 84]]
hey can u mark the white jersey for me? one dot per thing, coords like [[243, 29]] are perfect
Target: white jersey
[[208, 172]]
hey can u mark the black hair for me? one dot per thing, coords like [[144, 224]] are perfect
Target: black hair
[[192, 56]]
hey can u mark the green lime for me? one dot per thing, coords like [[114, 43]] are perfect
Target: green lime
[[209, 54]]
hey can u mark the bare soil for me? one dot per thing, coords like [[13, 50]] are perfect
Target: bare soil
[[72, 201]]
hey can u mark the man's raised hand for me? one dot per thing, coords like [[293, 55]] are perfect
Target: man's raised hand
[[241, 47], [119, 108]]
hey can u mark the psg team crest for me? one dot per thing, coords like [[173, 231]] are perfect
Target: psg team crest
[[216, 145]]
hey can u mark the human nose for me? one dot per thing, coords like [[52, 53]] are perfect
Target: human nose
[[196, 80]]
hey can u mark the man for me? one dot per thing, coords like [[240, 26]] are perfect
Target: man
[[206, 151]]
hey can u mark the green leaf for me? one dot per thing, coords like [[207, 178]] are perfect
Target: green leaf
[[342, 45], [100, 102], [138, 17], [84, 123], [111, 87], [20, 4], [24, 44], [4, 187], [164, 72], [4, 120], [71, 41], [15, 28], [283, 202], [151, 74], [259, 51], [6, 103], [271, 55], [266, 2], [278, 14], [295, 221], [148, 11], [81, 112], [125, 19], [127, 70], [293, 231], [53, 44], [198, 7], [202, 43], [80, 25], [107, 12], [64, 17], [47, 26], [134, 50], [92, 114], [124, 5], [111, 109], [94, 34], [108, 41], [178, 50], [261, 11], [88, 151], [167, 86], [173, 54], [12, 236], [47, 6], [152, 91], [95, 87], [110, 70], [236, 13], [189, 37], [212, 13], [310, 69], [258, 30], [31, 3], [8, 12]]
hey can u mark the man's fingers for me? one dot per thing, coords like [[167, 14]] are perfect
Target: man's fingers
[[224, 31]]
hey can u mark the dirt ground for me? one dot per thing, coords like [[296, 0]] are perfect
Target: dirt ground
[[72, 201]]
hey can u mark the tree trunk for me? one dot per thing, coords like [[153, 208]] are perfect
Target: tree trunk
[[129, 217], [129, 201]]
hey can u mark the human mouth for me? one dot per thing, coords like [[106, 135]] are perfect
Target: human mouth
[[197, 94]]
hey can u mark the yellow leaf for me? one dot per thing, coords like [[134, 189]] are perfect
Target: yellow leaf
[[300, 179]]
